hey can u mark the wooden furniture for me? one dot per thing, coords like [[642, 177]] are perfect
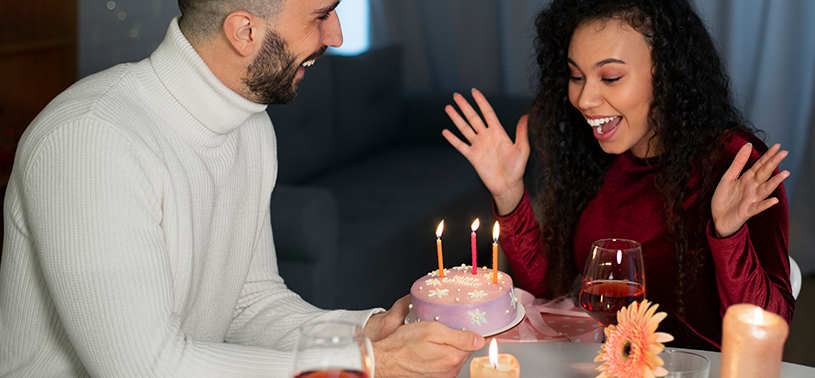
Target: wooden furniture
[[38, 50]]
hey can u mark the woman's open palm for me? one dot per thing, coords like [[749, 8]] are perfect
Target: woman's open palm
[[500, 163], [741, 196]]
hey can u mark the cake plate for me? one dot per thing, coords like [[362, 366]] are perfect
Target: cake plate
[[518, 319]]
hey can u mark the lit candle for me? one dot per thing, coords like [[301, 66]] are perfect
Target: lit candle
[[495, 253], [495, 365], [752, 342], [472, 238], [438, 247]]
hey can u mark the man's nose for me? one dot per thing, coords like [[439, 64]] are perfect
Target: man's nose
[[332, 31]]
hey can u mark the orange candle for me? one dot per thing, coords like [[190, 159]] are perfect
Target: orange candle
[[472, 243], [495, 253], [438, 247], [495, 365], [752, 342]]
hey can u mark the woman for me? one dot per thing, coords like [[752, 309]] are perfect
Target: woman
[[638, 138]]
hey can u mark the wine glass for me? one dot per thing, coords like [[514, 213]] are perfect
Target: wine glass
[[332, 349], [613, 278]]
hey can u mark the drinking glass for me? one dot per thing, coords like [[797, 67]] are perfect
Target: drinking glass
[[613, 278], [332, 349], [682, 364]]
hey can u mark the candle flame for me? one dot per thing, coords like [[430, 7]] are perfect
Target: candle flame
[[758, 317], [475, 225], [494, 353], [619, 257], [495, 232], [440, 229]]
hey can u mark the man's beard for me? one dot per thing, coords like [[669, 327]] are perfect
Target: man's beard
[[271, 75]]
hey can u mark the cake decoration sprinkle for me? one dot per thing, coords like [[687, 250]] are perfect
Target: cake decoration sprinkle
[[437, 318], [477, 317], [437, 292]]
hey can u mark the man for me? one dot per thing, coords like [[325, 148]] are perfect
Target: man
[[138, 237]]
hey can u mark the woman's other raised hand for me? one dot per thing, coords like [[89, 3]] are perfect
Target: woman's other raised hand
[[739, 196], [499, 162]]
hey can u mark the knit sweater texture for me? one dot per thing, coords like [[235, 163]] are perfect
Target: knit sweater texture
[[750, 266], [138, 240]]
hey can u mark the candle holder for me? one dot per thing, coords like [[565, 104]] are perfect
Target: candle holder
[[495, 365]]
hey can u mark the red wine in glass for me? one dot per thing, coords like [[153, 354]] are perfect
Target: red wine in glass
[[602, 299], [614, 277], [332, 373]]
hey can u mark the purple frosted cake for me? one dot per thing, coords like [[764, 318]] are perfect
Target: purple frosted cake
[[463, 300]]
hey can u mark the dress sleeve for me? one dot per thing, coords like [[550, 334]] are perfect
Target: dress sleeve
[[752, 265], [520, 240]]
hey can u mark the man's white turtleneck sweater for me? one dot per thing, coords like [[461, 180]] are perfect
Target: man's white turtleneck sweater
[[138, 240]]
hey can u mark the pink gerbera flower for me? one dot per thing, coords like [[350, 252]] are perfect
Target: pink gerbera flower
[[632, 347]]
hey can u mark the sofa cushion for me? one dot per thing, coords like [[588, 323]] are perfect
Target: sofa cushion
[[368, 102], [305, 127]]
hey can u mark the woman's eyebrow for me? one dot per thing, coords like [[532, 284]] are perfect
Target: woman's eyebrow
[[600, 63]]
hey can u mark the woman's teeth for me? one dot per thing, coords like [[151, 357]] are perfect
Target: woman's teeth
[[599, 122]]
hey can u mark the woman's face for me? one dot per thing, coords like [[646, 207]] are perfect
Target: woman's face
[[612, 84]]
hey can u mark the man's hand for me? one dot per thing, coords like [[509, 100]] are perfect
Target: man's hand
[[424, 349], [382, 325]]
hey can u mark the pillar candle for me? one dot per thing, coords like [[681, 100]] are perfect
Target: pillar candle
[[495, 365], [752, 342], [438, 248], [472, 242]]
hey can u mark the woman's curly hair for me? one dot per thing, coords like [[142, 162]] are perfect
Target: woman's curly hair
[[692, 115]]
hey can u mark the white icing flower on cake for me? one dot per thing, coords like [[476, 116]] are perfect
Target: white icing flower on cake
[[477, 317], [489, 275], [478, 294], [437, 292], [433, 282], [435, 273], [462, 267], [514, 300]]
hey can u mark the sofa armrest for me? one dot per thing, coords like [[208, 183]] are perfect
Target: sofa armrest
[[305, 226]]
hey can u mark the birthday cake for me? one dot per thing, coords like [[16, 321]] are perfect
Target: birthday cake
[[463, 300]]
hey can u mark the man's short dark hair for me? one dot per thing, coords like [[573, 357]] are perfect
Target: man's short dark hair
[[203, 19]]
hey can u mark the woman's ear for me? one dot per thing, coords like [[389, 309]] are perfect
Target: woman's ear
[[243, 32]]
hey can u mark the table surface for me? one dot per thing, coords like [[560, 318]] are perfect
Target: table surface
[[574, 360]]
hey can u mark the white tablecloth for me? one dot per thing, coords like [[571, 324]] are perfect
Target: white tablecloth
[[574, 360]]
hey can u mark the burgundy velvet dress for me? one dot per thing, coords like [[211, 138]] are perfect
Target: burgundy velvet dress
[[751, 266]]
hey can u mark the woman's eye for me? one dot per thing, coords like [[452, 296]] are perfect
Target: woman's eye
[[575, 79], [612, 79]]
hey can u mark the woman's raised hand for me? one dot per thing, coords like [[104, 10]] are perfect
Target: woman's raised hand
[[737, 198], [499, 162]]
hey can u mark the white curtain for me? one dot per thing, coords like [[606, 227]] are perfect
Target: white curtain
[[769, 47]]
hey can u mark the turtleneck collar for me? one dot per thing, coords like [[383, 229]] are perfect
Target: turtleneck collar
[[196, 88]]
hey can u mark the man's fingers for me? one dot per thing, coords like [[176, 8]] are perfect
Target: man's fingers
[[462, 340]]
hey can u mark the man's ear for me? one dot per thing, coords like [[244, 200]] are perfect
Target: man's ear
[[243, 32]]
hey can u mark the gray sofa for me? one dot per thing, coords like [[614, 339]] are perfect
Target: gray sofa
[[364, 179]]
